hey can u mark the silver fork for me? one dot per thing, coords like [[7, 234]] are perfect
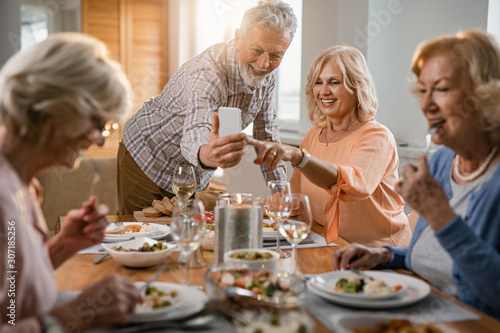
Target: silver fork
[[155, 276], [428, 137], [118, 224], [95, 180]]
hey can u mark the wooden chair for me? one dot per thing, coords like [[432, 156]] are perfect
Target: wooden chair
[[65, 189]]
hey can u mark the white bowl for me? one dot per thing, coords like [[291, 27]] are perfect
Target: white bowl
[[138, 259], [270, 264]]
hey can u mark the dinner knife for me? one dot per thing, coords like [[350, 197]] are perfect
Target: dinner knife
[[100, 258]]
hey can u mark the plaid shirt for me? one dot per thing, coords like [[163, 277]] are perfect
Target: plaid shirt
[[171, 127]]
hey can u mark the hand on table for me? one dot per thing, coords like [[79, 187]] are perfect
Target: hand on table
[[359, 256], [224, 152], [110, 301]]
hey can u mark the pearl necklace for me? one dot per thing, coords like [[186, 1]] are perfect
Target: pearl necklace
[[479, 171], [338, 132]]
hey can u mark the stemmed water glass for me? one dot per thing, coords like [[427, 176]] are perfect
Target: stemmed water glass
[[188, 228], [184, 183], [296, 226], [275, 190]]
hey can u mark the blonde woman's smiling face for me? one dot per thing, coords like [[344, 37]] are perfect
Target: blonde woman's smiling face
[[332, 97]]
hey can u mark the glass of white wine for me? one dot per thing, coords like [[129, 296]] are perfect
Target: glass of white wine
[[188, 228], [296, 226], [275, 190], [184, 183]]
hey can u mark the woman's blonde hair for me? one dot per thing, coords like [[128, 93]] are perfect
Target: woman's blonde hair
[[475, 55], [356, 79], [67, 79]]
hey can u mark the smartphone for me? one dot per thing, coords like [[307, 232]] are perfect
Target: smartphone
[[229, 121]]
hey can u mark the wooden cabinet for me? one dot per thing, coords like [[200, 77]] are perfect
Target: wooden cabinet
[[135, 32]]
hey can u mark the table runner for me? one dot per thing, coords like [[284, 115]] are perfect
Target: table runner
[[317, 241], [433, 308]]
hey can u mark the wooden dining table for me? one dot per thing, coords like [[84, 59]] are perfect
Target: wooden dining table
[[79, 272]]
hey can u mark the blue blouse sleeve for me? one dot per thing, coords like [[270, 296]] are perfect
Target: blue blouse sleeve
[[398, 257], [477, 261]]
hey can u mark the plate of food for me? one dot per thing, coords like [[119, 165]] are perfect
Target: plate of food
[[137, 229], [158, 301], [412, 291], [182, 301], [370, 285]]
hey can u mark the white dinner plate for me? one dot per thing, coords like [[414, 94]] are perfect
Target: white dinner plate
[[416, 291], [160, 231], [191, 301], [390, 279]]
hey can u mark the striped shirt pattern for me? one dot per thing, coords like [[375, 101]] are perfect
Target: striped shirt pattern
[[170, 128]]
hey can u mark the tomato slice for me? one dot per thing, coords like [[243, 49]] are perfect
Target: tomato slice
[[209, 217]]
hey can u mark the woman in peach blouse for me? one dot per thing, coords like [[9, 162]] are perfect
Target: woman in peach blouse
[[347, 163]]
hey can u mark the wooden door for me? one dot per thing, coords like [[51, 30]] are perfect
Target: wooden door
[[135, 32]]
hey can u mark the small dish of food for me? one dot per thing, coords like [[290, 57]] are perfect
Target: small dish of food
[[140, 252], [259, 289], [255, 259]]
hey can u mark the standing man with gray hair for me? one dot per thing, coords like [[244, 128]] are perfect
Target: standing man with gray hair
[[181, 123]]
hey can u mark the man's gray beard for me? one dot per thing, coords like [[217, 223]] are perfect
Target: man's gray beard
[[251, 80]]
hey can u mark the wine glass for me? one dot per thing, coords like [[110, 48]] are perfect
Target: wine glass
[[184, 183], [275, 190], [297, 223], [188, 228]]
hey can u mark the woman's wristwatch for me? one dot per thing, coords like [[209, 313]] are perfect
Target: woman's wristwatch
[[305, 158]]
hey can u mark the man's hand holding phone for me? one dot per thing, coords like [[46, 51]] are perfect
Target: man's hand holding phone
[[224, 151]]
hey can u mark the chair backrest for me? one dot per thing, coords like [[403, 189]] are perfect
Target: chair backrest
[[65, 189]]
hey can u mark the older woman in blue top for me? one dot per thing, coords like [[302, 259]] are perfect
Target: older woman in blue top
[[456, 243]]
